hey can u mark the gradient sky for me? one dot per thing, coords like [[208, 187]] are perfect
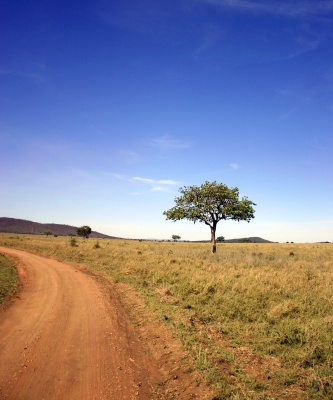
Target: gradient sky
[[108, 107]]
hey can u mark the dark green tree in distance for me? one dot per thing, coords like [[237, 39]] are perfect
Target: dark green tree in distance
[[47, 233], [220, 239], [210, 203], [175, 237], [84, 231]]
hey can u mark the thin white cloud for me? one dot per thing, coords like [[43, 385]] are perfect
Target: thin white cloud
[[136, 178], [234, 166], [167, 142], [168, 182], [160, 189], [162, 185]]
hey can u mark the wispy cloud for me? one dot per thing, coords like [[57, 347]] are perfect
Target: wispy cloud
[[146, 180], [160, 189], [234, 166], [163, 185], [167, 142], [160, 185], [168, 182]]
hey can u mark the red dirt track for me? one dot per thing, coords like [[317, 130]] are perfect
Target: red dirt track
[[65, 337]]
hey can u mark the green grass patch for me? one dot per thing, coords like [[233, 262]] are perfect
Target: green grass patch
[[8, 278]]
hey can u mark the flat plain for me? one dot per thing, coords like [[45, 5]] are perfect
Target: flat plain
[[255, 318]]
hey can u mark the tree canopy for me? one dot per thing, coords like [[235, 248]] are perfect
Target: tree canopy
[[210, 203], [175, 237], [84, 231]]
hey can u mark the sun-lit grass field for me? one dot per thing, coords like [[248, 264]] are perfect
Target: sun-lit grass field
[[257, 318]]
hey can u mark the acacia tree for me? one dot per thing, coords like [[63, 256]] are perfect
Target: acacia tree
[[210, 203], [84, 231], [175, 237]]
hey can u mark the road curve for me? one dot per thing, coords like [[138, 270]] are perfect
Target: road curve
[[66, 337]]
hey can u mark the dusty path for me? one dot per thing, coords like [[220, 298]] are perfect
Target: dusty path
[[64, 338]]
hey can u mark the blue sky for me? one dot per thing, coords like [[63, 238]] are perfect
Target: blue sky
[[108, 107]]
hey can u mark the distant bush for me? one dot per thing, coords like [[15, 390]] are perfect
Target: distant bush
[[84, 231], [72, 242]]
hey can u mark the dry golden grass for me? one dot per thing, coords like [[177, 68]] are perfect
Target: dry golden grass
[[257, 317]]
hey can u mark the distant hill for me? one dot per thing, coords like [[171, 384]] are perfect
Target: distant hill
[[253, 239], [14, 225]]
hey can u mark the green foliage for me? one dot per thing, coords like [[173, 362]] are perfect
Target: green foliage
[[210, 203], [72, 242], [175, 237], [84, 231], [220, 239], [47, 233]]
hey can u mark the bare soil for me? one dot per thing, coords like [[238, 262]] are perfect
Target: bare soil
[[72, 334]]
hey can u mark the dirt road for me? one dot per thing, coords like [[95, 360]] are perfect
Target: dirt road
[[65, 337]]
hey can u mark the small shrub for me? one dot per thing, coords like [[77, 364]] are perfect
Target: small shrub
[[72, 242], [291, 254], [97, 245]]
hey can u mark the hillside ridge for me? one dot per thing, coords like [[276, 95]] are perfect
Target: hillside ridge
[[15, 225]]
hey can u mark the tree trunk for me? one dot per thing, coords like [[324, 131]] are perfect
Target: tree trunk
[[212, 239]]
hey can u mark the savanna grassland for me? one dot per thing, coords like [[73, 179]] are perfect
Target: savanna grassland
[[256, 318]]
